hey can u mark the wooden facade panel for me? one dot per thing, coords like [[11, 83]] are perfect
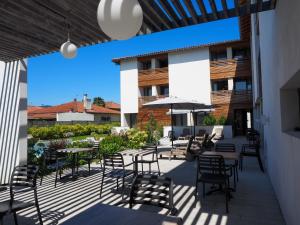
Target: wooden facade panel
[[146, 99], [159, 76], [231, 97], [160, 115], [230, 69]]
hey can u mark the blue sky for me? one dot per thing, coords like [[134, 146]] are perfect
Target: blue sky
[[55, 80]]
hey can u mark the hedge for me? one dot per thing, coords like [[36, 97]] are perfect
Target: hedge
[[65, 131]]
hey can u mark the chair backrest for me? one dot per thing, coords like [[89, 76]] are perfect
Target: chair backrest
[[225, 147], [211, 137], [219, 131], [114, 161], [23, 177], [171, 134], [201, 132], [186, 131], [212, 164], [150, 148], [96, 145], [189, 145], [152, 190]]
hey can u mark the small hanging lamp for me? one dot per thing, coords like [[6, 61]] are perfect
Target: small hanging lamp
[[120, 19], [68, 49]]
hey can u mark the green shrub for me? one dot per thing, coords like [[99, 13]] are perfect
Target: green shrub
[[136, 138], [112, 144], [65, 131], [209, 120], [222, 120], [153, 130], [80, 144]]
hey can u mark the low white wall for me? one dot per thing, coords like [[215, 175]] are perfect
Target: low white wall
[[178, 130], [70, 116]]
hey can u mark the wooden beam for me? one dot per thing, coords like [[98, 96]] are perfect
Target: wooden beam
[[181, 11], [168, 8], [203, 10], [225, 8], [191, 10], [237, 7], [156, 11], [248, 6], [214, 8]]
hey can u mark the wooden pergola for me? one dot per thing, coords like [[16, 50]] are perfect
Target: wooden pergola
[[33, 27]]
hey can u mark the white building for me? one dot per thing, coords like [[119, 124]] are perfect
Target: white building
[[217, 74]]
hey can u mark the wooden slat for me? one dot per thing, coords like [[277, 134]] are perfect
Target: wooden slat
[[181, 11], [168, 8], [202, 9], [157, 76], [214, 8], [191, 10], [225, 8], [157, 13], [230, 68]]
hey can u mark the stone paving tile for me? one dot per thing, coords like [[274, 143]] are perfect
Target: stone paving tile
[[254, 202]]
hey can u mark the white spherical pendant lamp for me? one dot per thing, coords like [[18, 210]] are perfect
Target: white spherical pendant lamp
[[120, 19], [68, 50]]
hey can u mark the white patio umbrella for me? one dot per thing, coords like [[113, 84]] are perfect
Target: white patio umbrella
[[175, 103]]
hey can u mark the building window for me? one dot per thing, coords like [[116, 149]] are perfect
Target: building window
[[164, 90], [162, 63], [216, 56], [145, 65], [220, 85], [242, 84], [105, 119], [147, 91], [239, 54]]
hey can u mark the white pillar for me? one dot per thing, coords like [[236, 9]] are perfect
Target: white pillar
[[13, 117], [230, 84], [154, 91]]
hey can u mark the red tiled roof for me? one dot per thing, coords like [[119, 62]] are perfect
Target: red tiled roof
[[112, 105], [31, 109], [75, 106]]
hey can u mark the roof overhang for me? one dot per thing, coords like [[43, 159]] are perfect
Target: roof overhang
[[32, 27]]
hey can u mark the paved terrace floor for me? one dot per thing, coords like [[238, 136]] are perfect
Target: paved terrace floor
[[253, 203]]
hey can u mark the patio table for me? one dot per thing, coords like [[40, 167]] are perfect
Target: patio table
[[112, 215], [75, 152], [135, 153], [226, 155]]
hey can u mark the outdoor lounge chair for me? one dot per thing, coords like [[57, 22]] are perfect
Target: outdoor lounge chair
[[152, 190], [212, 170], [23, 180], [201, 135], [186, 134], [114, 167], [219, 134]]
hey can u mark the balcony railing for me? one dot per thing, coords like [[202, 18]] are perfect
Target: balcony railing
[[231, 97], [146, 99], [158, 76], [230, 68]]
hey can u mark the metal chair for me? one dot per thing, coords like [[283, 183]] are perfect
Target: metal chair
[[211, 170], [53, 160], [114, 167], [152, 190], [92, 155], [251, 150], [153, 151], [23, 179], [229, 147]]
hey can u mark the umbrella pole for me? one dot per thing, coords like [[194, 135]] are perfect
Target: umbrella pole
[[172, 132], [194, 122]]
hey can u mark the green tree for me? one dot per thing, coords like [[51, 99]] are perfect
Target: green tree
[[99, 101]]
